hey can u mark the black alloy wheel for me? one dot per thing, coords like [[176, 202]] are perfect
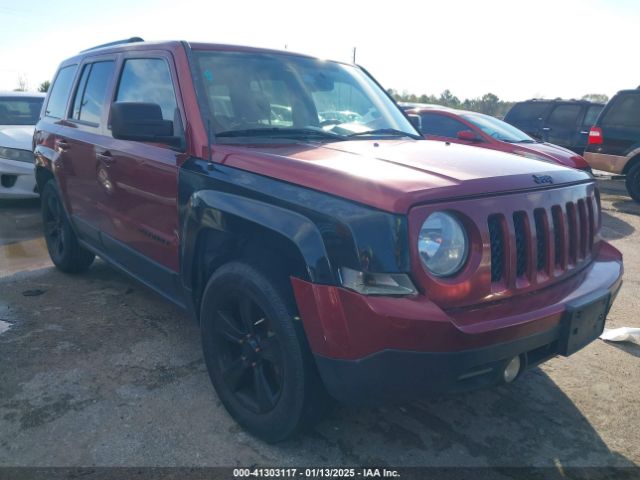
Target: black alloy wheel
[[256, 352], [250, 357]]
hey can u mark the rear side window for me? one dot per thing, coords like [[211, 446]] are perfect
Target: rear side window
[[592, 114], [89, 101], [60, 92], [440, 125], [624, 112], [528, 112], [564, 116], [148, 80]]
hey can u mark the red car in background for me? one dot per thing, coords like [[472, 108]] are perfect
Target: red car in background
[[472, 128]]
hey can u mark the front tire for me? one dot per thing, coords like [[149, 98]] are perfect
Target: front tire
[[256, 355], [62, 243], [633, 182]]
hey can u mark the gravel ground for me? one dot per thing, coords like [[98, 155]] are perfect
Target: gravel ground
[[97, 371]]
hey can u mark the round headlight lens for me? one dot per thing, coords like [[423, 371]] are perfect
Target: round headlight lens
[[443, 244]]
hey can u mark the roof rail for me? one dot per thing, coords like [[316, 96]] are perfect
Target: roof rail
[[117, 42]]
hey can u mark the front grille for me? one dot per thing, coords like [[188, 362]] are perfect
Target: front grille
[[548, 241]]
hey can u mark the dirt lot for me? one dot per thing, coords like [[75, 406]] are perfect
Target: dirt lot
[[96, 370]]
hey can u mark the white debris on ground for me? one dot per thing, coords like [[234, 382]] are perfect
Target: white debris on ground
[[623, 334], [4, 326]]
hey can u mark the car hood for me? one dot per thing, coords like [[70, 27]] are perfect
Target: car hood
[[555, 153], [16, 136], [394, 175]]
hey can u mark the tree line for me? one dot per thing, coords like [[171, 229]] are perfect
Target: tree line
[[488, 103]]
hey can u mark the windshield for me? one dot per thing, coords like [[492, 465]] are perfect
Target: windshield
[[269, 96], [20, 110], [497, 128]]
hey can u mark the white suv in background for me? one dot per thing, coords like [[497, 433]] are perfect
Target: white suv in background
[[19, 112]]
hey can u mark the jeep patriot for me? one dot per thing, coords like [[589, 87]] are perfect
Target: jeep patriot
[[324, 248]]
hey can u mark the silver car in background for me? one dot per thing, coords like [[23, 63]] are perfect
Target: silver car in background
[[19, 112]]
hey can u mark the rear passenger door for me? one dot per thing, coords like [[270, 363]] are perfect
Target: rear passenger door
[[562, 125], [142, 177], [83, 140]]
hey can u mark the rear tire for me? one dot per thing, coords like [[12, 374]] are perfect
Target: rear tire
[[633, 182], [256, 353], [62, 243]]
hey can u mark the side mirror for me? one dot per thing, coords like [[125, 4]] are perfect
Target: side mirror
[[416, 121], [469, 136], [141, 122]]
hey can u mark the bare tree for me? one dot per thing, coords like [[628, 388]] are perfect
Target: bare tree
[[23, 84]]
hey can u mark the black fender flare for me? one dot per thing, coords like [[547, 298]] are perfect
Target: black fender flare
[[239, 216]]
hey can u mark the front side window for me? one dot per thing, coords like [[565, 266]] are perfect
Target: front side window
[[148, 80], [20, 110], [279, 97], [91, 93], [564, 116], [60, 92], [441, 125]]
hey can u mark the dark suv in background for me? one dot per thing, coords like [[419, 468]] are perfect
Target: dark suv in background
[[562, 122], [614, 140]]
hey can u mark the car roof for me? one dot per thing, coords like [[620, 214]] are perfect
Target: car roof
[[138, 44], [22, 94], [633, 91], [559, 100]]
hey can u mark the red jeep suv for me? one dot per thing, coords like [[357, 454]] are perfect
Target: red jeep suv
[[321, 244]]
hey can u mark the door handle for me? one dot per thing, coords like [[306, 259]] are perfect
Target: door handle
[[546, 129], [106, 157], [584, 132], [61, 145]]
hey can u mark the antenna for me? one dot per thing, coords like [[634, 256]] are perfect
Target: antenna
[[210, 142], [354, 55]]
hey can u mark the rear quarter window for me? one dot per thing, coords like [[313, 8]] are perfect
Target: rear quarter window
[[623, 112], [60, 90]]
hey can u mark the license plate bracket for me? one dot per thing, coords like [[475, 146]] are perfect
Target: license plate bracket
[[583, 322]]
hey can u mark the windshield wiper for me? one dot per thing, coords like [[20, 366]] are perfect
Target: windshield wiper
[[386, 131], [280, 132]]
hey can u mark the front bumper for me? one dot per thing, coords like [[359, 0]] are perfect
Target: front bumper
[[17, 179], [372, 349]]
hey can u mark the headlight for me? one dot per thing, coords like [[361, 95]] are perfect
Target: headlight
[[16, 154], [443, 244]]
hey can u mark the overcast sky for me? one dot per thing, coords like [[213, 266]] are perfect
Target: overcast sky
[[514, 49]]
